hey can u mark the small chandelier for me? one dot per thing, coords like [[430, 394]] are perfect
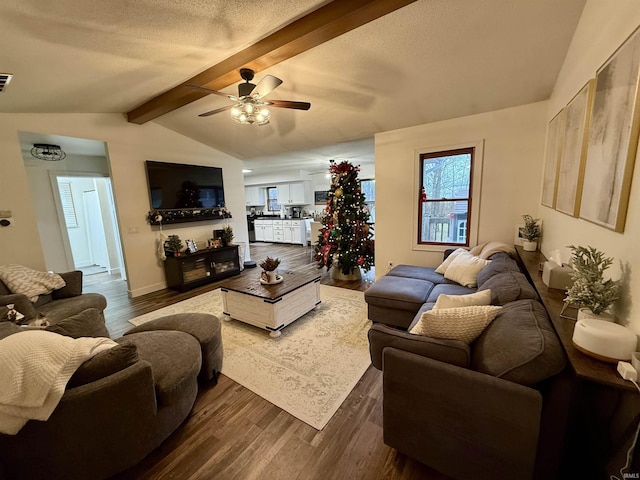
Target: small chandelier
[[49, 153], [250, 111]]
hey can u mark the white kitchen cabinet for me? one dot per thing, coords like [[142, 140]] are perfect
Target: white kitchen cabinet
[[254, 196], [268, 230], [278, 230], [294, 193], [293, 231], [259, 229], [282, 231]]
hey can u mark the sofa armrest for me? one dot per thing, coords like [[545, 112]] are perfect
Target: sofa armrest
[[463, 423], [449, 351], [21, 303]]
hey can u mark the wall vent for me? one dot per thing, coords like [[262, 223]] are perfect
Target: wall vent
[[5, 78]]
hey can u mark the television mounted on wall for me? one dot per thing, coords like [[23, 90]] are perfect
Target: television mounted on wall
[[180, 186], [184, 193]]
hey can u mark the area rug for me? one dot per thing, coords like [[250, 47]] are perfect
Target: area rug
[[310, 369]]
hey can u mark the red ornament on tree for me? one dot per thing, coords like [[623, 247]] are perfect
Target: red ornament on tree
[[423, 195]]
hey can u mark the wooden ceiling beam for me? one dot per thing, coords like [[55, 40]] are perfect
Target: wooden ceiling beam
[[316, 28]]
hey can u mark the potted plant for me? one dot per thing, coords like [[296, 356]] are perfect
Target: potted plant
[[269, 266], [227, 235], [174, 244], [590, 290], [531, 233]]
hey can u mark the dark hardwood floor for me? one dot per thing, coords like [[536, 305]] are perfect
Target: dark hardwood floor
[[232, 433]]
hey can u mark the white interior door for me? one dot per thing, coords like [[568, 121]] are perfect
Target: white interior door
[[95, 229]]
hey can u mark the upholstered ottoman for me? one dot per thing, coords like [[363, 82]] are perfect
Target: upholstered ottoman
[[204, 327], [394, 300]]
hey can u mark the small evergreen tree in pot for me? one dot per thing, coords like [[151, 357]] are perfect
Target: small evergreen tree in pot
[[531, 232], [175, 244], [590, 289]]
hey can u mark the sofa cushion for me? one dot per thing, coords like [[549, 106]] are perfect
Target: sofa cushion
[[398, 292], [449, 259], [452, 301], [465, 268], [29, 282], [104, 364], [73, 286], [8, 328], [508, 287], [88, 323], [420, 273], [500, 263], [520, 345], [66, 307], [461, 323], [448, 289]]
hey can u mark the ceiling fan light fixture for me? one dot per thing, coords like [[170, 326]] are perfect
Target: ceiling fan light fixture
[[47, 152], [250, 111]]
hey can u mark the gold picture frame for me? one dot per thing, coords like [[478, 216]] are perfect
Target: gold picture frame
[[552, 158], [613, 138], [574, 150]]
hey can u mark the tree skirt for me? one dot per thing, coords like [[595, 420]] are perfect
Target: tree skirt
[[310, 369]]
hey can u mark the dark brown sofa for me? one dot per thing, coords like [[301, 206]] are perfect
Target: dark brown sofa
[[493, 409], [119, 405]]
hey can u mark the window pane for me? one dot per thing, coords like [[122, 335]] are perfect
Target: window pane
[[447, 176], [368, 188], [444, 222], [272, 199]]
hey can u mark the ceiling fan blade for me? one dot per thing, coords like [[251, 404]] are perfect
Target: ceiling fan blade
[[208, 90], [217, 110], [290, 104], [266, 85]]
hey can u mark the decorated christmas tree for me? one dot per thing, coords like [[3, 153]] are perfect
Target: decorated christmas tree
[[345, 240]]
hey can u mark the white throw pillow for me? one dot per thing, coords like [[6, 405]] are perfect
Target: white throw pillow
[[464, 269], [461, 323], [447, 261], [452, 301]]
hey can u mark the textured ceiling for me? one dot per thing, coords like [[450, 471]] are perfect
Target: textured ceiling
[[428, 61]]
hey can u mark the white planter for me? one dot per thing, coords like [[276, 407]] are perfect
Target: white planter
[[586, 313], [528, 246]]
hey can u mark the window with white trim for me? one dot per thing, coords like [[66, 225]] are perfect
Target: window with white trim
[[445, 197]]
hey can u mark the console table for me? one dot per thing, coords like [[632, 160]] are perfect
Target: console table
[[603, 411], [585, 367]]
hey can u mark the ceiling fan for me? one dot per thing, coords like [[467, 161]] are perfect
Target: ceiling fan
[[250, 107]]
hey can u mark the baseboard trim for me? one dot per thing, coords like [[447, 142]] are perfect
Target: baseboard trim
[[144, 290]]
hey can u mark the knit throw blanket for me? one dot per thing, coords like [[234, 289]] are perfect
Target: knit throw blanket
[[35, 366], [29, 282]]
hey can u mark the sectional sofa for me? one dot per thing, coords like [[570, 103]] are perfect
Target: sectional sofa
[[494, 407]]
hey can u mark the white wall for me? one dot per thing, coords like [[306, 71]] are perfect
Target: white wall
[[128, 146], [513, 146], [603, 27]]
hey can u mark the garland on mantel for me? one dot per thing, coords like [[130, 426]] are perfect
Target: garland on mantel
[[159, 217]]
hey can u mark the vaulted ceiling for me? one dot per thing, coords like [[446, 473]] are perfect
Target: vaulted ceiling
[[427, 61]]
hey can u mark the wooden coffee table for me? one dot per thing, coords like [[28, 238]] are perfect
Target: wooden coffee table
[[271, 307]]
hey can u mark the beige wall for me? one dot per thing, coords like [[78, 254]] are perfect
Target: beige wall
[[128, 146], [510, 180], [601, 30]]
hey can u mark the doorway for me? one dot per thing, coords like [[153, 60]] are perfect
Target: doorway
[[87, 214]]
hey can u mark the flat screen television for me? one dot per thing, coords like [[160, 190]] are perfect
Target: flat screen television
[[179, 186]]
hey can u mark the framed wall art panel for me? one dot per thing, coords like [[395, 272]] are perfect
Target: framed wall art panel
[[574, 151], [613, 138], [552, 157]]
